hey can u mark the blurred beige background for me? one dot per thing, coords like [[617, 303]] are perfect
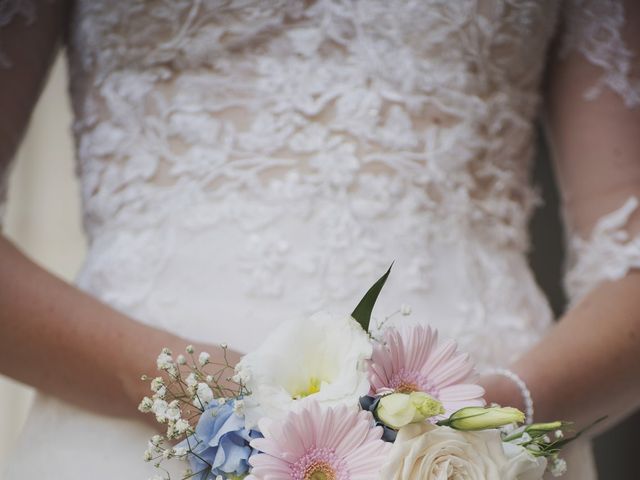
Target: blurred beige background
[[43, 218]]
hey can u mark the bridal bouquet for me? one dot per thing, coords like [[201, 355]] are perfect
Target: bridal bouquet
[[322, 399]]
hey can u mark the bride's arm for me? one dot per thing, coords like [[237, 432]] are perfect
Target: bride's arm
[[53, 336], [588, 365], [66, 343]]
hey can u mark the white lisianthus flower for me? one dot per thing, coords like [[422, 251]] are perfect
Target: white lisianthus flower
[[322, 358], [426, 452]]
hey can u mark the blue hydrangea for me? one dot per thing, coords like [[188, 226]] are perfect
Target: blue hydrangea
[[220, 444]]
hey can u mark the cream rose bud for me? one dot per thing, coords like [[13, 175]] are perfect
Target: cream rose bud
[[399, 409], [482, 418]]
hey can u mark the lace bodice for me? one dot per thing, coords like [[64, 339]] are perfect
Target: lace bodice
[[349, 115], [318, 139], [430, 103]]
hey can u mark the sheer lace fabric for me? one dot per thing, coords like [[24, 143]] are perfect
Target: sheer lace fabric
[[595, 29]]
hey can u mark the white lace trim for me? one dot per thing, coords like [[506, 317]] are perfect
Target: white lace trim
[[9, 9], [608, 254], [594, 28]]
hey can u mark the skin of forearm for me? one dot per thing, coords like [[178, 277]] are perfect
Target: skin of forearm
[[588, 365], [66, 343]]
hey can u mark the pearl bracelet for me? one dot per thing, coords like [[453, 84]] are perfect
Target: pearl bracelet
[[524, 391]]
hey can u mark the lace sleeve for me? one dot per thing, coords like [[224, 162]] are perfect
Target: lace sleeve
[[30, 31], [593, 108], [596, 29]]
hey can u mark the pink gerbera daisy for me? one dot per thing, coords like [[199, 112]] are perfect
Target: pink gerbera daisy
[[410, 360], [319, 444]]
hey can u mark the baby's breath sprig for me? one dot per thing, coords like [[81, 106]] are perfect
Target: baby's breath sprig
[[180, 394], [404, 310]]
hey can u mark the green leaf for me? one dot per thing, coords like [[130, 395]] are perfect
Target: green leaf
[[362, 313]]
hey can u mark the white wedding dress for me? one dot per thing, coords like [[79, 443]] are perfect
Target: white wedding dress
[[246, 162]]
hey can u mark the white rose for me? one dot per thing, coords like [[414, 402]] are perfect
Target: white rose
[[321, 358], [428, 452]]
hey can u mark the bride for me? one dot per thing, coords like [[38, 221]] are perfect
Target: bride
[[246, 162]]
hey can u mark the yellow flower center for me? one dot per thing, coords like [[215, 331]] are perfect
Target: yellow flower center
[[319, 471], [312, 387], [406, 387]]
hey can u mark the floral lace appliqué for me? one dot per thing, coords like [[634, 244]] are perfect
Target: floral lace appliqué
[[594, 29], [608, 254]]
